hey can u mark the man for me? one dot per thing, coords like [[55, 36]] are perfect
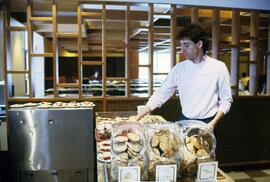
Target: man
[[203, 82], [244, 81]]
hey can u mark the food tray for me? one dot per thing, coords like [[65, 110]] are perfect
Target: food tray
[[115, 114]]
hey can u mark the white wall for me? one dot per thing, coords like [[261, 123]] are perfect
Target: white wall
[[19, 57], [17, 40], [38, 68]]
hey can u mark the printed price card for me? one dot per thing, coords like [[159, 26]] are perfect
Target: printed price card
[[129, 174], [207, 172], [166, 173]]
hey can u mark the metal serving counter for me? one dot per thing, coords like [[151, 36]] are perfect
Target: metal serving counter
[[3, 131], [53, 144]]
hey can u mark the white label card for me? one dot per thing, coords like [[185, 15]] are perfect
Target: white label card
[[129, 174], [207, 171], [166, 173]]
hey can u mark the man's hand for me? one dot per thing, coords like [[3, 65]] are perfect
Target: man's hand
[[142, 112]]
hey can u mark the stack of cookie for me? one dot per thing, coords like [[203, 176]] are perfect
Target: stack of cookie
[[199, 146], [196, 150], [104, 151], [127, 147], [164, 147], [130, 144]]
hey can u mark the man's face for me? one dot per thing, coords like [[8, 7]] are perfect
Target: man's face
[[190, 49]]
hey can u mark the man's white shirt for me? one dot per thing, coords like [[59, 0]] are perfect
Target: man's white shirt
[[204, 88]]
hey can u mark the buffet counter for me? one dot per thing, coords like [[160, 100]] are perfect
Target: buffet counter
[[151, 143], [104, 168]]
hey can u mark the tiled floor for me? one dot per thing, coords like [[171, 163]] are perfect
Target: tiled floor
[[251, 175]]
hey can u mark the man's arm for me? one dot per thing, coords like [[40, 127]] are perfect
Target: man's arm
[[225, 97], [144, 111], [161, 95], [216, 119]]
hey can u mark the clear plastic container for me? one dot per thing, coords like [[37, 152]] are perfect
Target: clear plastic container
[[199, 145], [163, 146], [104, 120], [128, 148]]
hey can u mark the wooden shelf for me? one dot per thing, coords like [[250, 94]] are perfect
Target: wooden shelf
[[92, 63], [144, 66], [42, 55], [160, 73], [91, 14], [41, 18], [234, 46], [254, 38], [116, 78], [66, 35], [17, 29], [20, 99], [68, 85]]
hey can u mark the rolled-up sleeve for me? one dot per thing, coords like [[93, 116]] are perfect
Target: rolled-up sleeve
[[225, 93]]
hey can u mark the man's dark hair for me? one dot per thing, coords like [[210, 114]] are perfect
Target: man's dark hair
[[195, 33]]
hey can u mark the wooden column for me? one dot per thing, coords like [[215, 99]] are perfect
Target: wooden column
[[268, 60], [151, 46], [29, 44], [215, 33], [134, 62], [254, 24], [127, 50], [235, 50], [194, 15], [173, 35], [55, 50], [79, 47], [104, 80]]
